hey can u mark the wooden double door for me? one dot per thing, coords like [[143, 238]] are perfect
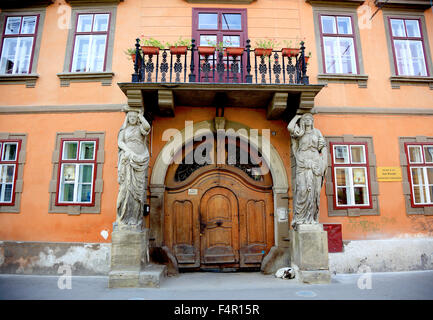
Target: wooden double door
[[219, 220]]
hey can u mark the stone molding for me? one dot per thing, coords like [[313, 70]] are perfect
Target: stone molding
[[426, 210], [336, 3], [28, 79], [98, 186], [397, 81], [92, 2], [371, 110], [14, 4], [374, 185], [360, 79], [61, 109], [406, 4], [221, 1], [67, 77], [20, 170]]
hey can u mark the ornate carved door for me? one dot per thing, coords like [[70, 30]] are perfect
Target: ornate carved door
[[219, 230]]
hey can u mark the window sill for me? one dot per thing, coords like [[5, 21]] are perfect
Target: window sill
[[67, 77], [397, 81], [28, 79], [221, 1], [360, 79]]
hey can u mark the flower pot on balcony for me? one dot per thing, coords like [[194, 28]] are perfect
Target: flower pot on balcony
[[263, 52], [178, 50], [133, 57], [290, 52], [206, 51], [235, 51], [306, 59], [149, 50]]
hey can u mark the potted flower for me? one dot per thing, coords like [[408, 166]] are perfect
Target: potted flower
[[235, 51], [131, 53], [151, 46], [290, 51], [180, 46], [307, 57], [265, 47], [208, 50]]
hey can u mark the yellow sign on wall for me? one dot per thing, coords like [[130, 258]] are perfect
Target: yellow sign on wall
[[389, 174]]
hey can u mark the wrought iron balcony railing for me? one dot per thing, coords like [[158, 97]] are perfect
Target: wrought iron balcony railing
[[154, 65]]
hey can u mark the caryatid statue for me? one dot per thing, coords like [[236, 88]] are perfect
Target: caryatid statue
[[132, 166], [310, 151]]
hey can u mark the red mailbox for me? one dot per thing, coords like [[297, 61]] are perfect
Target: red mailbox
[[335, 238]]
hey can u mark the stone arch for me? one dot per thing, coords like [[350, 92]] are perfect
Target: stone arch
[[165, 158]]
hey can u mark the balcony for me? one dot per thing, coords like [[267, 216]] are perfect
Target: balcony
[[227, 77]]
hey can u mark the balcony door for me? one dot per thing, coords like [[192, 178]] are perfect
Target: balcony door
[[227, 26]]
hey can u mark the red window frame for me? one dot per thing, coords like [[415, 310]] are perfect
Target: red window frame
[[220, 32], [90, 34], [77, 161], [338, 35], [19, 35], [2, 162], [421, 38], [411, 165], [365, 165]]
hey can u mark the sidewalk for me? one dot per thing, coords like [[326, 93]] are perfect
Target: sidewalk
[[417, 285]]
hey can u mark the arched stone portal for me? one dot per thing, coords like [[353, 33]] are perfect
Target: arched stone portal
[[269, 155]]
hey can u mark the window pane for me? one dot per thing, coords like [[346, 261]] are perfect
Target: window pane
[[81, 53], [359, 176], [24, 55], [342, 196], [231, 21], [97, 53], [344, 25], [358, 154], [208, 40], [208, 21], [412, 28], [6, 193], [86, 173], [419, 195], [69, 173], [428, 154], [417, 176], [8, 58], [84, 23], [67, 192], [7, 173], [101, 22], [10, 151], [361, 195], [415, 155], [231, 41], [341, 154], [347, 52], [342, 175], [87, 150], [84, 193], [70, 150], [397, 27], [29, 25], [328, 25], [13, 25], [416, 58], [429, 175]]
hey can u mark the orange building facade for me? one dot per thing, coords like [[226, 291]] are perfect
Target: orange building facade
[[365, 72]]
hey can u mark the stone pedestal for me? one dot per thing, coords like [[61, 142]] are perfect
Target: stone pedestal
[[130, 261], [309, 245]]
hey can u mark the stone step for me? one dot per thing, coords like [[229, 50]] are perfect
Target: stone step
[[152, 276]]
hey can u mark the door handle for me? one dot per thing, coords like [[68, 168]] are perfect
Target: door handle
[[219, 223]]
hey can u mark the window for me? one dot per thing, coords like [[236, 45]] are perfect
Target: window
[[338, 42], [77, 166], [19, 37], [351, 181], [89, 48], [420, 171], [90, 42], [408, 47], [9, 151], [76, 184], [350, 172]]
